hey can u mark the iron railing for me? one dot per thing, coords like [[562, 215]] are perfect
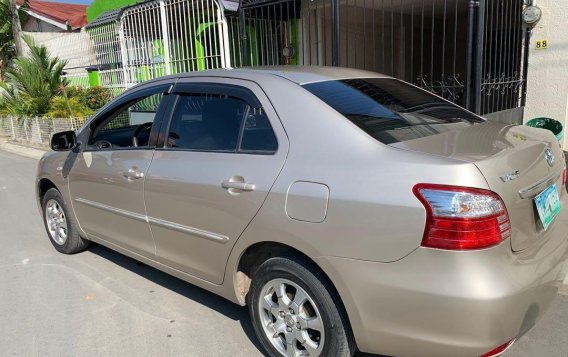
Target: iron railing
[[501, 69], [468, 51]]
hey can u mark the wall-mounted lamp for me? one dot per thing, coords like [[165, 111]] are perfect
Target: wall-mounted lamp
[[531, 15]]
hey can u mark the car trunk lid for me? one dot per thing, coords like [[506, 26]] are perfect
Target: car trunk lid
[[513, 161]]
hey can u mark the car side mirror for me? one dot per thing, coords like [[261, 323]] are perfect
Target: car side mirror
[[63, 141]]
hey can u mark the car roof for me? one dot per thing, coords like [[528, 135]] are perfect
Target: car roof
[[297, 74]]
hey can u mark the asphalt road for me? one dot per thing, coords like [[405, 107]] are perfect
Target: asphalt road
[[101, 303]]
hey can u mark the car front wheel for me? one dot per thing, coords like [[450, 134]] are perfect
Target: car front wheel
[[295, 311], [61, 228]]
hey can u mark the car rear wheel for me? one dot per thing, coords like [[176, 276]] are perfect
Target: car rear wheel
[[295, 311], [60, 227]]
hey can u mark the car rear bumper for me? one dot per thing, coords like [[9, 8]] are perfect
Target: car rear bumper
[[440, 303]]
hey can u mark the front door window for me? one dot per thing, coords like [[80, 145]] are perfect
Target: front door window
[[129, 126]]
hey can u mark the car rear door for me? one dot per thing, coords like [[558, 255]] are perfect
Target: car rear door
[[107, 178], [223, 150]]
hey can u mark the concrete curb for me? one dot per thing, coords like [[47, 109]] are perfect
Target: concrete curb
[[26, 151]]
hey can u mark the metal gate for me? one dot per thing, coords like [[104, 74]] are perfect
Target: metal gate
[[172, 36], [265, 33], [501, 65], [107, 59], [156, 38], [471, 52]]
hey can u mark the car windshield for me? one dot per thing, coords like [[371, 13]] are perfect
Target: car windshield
[[391, 110]]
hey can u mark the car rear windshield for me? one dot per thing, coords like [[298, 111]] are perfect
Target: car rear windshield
[[391, 110]]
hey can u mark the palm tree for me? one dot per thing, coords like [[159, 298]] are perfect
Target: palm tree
[[7, 51], [31, 82]]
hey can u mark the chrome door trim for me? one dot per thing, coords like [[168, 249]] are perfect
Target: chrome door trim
[[156, 221], [124, 213], [536, 188], [187, 229]]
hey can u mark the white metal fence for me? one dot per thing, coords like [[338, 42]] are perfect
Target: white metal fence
[[36, 131], [157, 38]]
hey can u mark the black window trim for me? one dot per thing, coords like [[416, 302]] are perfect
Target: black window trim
[[229, 90]]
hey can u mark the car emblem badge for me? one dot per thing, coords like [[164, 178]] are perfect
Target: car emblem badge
[[510, 176], [549, 155]]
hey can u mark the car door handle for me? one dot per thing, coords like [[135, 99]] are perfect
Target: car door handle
[[133, 174], [238, 186]]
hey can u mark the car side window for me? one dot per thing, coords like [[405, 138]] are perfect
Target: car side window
[[257, 133], [211, 122], [129, 126]]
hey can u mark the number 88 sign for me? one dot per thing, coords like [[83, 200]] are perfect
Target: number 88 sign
[[541, 44]]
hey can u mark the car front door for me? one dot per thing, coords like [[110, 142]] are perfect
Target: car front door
[[107, 178], [223, 150]]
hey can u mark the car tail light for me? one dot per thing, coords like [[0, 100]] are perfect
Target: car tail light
[[462, 218], [498, 350], [564, 177]]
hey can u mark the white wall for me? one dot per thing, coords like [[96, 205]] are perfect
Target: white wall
[[36, 25], [74, 47], [547, 90]]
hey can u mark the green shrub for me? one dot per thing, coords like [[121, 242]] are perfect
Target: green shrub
[[72, 108], [74, 91], [95, 97]]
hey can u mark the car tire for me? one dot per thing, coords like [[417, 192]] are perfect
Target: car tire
[[315, 321], [60, 226]]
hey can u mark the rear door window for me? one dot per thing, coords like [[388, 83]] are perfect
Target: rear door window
[[207, 122], [258, 135], [391, 110], [216, 122]]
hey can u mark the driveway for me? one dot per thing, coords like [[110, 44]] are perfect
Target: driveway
[[101, 303]]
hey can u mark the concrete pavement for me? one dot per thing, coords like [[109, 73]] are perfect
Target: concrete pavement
[[21, 150], [101, 303]]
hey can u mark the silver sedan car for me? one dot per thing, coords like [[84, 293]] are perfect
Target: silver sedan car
[[348, 210]]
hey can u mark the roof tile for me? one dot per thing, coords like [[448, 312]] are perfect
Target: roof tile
[[73, 14]]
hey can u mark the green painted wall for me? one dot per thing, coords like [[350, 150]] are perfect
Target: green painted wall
[[98, 7]]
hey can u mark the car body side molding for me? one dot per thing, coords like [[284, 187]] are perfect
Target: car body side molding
[[187, 229], [124, 213], [158, 222]]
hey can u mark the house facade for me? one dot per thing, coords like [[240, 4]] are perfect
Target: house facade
[[470, 52], [480, 54], [47, 16], [547, 80], [60, 27]]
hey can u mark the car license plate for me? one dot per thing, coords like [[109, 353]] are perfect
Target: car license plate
[[548, 205]]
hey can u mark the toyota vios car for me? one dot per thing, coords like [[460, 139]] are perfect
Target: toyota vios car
[[347, 209]]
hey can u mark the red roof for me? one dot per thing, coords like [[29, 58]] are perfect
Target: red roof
[[73, 14]]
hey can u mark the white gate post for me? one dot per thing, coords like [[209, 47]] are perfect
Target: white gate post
[[36, 131], [25, 121], [224, 40], [13, 129], [123, 53], [165, 37]]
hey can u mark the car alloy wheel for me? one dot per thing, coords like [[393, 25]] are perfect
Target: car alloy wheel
[[290, 319], [56, 222]]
